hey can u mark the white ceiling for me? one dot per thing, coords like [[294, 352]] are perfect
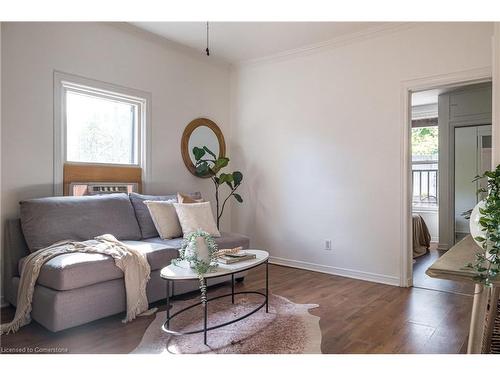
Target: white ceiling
[[240, 41]]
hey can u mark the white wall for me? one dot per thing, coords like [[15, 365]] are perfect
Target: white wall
[[183, 87], [319, 138], [309, 132]]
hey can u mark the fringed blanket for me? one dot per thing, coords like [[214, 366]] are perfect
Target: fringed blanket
[[132, 262]]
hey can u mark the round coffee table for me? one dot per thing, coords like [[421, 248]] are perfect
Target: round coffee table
[[182, 271]]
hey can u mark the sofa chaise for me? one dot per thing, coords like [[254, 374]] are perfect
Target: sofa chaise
[[73, 289]]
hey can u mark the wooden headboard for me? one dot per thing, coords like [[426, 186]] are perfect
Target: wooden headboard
[[100, 173]]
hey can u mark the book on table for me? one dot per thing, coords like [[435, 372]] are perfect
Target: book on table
[[234, 258]]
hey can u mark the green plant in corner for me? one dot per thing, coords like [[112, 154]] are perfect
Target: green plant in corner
[[209, 165], [487, 263]]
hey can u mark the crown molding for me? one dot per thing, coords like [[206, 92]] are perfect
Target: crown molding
[[350, 38], [169, 44]]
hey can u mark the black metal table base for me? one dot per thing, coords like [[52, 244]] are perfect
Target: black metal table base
[[166, 326]]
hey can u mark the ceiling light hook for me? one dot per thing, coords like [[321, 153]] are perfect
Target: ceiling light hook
[[207, 50]]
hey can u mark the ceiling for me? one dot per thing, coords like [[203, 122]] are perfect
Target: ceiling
[[240, 41]]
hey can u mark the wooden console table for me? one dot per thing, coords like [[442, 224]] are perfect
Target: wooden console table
[[451, 266]]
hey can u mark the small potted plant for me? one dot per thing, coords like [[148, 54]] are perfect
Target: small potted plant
[[485, 229], [198, 250]]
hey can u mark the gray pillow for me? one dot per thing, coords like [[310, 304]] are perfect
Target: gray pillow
[[146, 224], [48, 220]]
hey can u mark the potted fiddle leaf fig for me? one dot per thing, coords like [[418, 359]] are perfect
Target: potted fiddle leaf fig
[[485, 229], [209, 165]]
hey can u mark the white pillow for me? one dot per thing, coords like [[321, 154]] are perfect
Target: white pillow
[[194, 216], [165, 218]]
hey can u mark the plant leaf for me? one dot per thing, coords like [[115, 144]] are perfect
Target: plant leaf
[[202, 169], [237, 177], [225, 177], [221, 163], [209, 151], [238, 197], [198, 153]]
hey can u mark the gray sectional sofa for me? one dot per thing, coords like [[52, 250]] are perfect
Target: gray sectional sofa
[[77, 288]]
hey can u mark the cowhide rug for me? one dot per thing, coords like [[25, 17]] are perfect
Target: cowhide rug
[[288, 328]]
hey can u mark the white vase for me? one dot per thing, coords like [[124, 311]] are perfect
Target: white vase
[[200, 251], [476, 230]]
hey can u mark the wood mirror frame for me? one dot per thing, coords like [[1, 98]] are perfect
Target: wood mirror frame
[[185, 142]]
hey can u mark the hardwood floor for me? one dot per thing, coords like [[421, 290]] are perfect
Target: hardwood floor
[[356, 317]]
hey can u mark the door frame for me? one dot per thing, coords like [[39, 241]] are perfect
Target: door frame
[[448, 80]]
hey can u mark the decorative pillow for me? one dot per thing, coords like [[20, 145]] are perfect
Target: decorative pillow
[[184, 198], [194, 216], [146, 224], [165, 218]]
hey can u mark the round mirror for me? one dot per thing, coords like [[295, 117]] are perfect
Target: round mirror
[[201, 133]]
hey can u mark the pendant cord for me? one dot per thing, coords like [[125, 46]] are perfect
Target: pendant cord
[[207, 50]]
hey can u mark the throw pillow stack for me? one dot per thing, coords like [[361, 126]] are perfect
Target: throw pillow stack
[[173, 218]]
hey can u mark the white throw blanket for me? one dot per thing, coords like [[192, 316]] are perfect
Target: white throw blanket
[[131, 261]]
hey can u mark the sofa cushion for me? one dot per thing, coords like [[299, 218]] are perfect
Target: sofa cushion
[[146, 224], [49, 220], [76, 270]]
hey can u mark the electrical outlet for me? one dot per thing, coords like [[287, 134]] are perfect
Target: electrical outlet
[[328, 244]]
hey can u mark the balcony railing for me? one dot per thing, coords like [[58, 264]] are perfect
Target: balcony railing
[[425, 187]]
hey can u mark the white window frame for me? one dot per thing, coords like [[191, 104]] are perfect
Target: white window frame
[[63, 83]]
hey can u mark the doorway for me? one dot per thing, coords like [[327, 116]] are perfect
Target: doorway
[[450, 144]]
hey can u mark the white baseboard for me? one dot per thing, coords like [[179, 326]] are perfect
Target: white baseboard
[[443, 246], [409, 282], [345, 272]]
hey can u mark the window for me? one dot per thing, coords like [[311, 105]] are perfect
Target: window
[[425, 166], [100, 130], [99, 123], [101, 127]]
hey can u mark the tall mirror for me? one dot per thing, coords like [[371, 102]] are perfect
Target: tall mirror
[[472, 158], [199, 133]]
